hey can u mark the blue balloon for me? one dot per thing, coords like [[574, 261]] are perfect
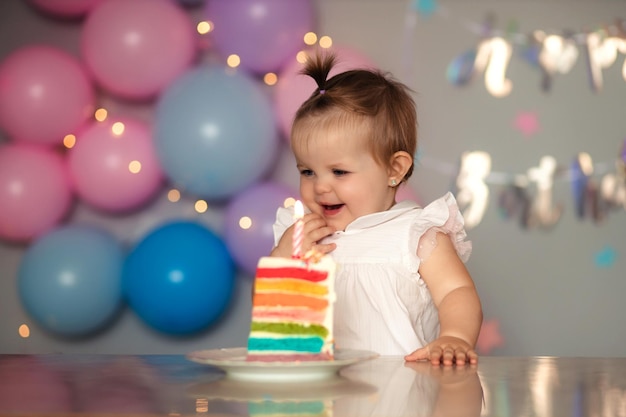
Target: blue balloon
[[215, 132], [179, 278], [69, 280]]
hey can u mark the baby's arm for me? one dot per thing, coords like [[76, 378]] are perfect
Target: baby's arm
[[315, 229], [456, 298], [460, 390]]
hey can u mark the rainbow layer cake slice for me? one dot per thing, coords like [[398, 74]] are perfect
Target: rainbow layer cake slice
[[292, 310]]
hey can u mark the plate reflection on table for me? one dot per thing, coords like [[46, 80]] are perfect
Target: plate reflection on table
[[233, 397]]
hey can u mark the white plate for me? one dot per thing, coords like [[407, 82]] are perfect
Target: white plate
[[233, 362]]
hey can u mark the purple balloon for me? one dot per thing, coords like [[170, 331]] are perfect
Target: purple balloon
[[264, 33], [258, 204]]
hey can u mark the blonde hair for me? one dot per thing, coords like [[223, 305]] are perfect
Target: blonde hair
[[363, 99]]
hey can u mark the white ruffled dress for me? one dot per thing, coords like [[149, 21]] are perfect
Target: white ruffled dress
[[383, 305]]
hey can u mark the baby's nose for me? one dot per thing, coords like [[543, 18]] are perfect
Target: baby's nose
[[322, 186]]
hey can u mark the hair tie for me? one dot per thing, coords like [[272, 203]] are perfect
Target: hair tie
[[322, 91]]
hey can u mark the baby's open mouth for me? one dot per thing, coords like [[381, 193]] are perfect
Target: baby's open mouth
[[332, 206]]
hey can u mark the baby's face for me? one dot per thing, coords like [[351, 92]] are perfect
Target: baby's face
[[340, 179]]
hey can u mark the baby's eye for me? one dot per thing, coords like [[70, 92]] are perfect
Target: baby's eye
[[339, 172], [306, 172]]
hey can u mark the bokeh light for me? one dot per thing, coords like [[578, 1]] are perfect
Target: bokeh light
[[24, 331], [173, 195], [245, 222], [134, 167], [101, 114], [201, 206], [290, 201], [270, 78], [204, 27], [302, 57], [310, 38], [118, 128], [326, 42], [69, 141], [233, 61]]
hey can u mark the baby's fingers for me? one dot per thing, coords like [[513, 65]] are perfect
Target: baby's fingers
[[418, 355], [472, 356], [462, 356], [325, 247], [320, 233]]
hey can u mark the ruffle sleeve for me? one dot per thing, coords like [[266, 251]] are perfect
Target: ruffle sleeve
[[284, 218], [443, 216]]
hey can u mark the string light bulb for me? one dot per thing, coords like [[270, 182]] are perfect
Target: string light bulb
[[326, 42], [270, 78], [245, 222], [101, 114], [201, 206], [24, 331], [204, 27], [173, 195], [118, 128], [69, 141], [233, 61], [310, 38]]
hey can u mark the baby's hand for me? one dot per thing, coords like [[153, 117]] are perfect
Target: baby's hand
[[315, 229], [446, 350]]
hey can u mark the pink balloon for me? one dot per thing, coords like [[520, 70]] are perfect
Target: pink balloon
[[406, 192], [294, 88], [264, 33], [65, 8], [45, 94], [134, 49], [34, 190], [115, 172]]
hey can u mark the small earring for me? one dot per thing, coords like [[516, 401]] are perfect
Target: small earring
[[393, 182]]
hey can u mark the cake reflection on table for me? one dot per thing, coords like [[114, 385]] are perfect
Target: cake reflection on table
[[313, 398]]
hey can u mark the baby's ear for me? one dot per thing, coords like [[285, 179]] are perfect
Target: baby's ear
[[399, 165]]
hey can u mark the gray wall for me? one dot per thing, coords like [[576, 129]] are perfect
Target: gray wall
[[544, 288]]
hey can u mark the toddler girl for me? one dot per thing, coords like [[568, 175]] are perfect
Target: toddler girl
[[402, 286]]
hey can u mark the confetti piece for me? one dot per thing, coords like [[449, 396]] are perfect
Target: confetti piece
[[606, 257], [460, 70], [425, 7], [527, 123], [489, 337]]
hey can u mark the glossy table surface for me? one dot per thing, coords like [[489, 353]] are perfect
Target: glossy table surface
[[172, 385]]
